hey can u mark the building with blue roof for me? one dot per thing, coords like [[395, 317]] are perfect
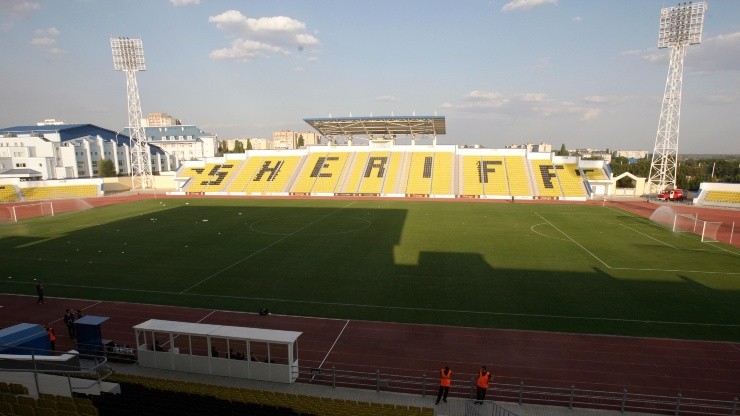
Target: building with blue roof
[[186, 142], [52, 150]]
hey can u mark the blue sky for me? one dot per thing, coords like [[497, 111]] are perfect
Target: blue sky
[[586, 73]]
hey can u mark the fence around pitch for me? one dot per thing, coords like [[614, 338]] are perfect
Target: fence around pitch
[[572, 397]]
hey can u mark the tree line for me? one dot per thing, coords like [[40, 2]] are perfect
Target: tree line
[[691, 171]]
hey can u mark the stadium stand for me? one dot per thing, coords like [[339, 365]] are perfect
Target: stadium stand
[[725, 197], [442, 174], [191, 398], [516, 173], [594, 174], [419, 180], [57, 192], [321, 173], [15, 400], [375, 172], [546, 178], [484, 175], [8, 193], [210, 178], [242, 181], [570, 180], [427, 171], [391, 182]]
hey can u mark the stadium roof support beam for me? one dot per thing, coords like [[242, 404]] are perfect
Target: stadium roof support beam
[[379, 125]]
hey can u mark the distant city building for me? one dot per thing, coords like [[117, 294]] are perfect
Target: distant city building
[[287, 139], [161, 120], [631, 154], [68, 151], [185, 142], [257, 143], [531, 147], [50, 122], [592, 153]]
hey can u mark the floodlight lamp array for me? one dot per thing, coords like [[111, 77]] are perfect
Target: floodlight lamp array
[[128, 54], [681, 25]]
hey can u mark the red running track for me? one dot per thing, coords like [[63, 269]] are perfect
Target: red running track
[[699, 369]]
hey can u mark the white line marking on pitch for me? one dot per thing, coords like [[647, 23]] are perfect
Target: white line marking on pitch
[[574, 241], [266, 247], [648, 236]]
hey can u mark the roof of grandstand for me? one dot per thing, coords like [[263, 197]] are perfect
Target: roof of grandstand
[[379, 125]]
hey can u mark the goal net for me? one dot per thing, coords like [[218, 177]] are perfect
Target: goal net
[[25, 211], [685, 222], [709, 231]]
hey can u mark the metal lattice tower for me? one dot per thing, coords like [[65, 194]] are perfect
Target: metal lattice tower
[[680, 27], [128, 56]]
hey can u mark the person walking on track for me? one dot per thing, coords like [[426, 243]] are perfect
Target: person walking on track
[[445, 381]]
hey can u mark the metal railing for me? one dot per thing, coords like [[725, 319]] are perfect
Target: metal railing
[[66, 364], [570, 397]]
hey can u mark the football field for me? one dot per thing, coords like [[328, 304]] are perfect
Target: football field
[[569, 268]]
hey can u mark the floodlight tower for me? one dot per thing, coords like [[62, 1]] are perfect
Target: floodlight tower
[[680, 27], [128, 56]]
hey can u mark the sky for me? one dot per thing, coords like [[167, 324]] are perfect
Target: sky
[[586, 73]]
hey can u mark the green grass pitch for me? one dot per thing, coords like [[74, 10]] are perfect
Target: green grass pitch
[[571, 268]]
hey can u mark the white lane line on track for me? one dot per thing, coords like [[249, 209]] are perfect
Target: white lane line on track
[[332, 345]]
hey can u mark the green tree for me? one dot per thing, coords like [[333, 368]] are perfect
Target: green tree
[[563, 151], [220, 150], [238, 147], [300, 141], [249, 144], [106, 168]]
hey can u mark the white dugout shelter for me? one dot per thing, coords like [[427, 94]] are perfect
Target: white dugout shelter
[[251, 353]]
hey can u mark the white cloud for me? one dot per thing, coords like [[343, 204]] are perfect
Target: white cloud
[[577, 19], [386, 98], [517, 5], [184, 2], [52, 31], [484, 99], [44, 41], [717, 53], [521, 105], [18, 8], [533, 97], [246, 50], [606, 100], [57, 51], [261, 37]]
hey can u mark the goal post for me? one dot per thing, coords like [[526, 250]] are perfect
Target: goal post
[[709, 231], [685, 222], [25, 211]]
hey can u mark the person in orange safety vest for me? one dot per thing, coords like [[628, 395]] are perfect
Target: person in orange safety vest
[[52, 336], [484, 377], [445, 381]]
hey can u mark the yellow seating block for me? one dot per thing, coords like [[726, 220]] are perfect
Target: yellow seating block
[[373, 183], [442, 173], [723, 197], [421, 165], [570, 179], [516, 173], [8, 194], [548, 185]]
